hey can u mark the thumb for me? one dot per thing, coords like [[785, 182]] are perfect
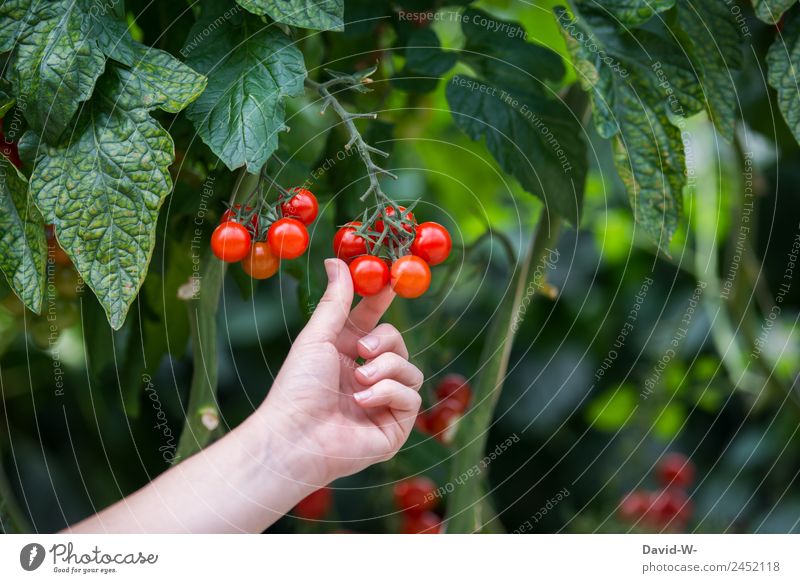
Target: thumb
[[333, 309]]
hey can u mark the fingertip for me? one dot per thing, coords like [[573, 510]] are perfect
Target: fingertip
[[368, 346]]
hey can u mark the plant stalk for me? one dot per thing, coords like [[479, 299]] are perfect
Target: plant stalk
[[465, 510], [202, 412]]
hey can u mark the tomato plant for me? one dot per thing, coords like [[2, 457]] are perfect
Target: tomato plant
[[604, 190]]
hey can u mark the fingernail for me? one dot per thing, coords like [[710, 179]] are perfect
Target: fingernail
[[331, 269], [367, 370], [369, 342], [362, 395]]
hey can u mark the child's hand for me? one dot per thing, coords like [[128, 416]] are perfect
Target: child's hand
[[340, 417]]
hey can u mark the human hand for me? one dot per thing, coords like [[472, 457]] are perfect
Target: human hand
[[337, 416]]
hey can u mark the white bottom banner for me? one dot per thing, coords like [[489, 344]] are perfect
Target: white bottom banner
[[354, 558]]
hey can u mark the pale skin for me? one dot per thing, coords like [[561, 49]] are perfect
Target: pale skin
[[325, 417]]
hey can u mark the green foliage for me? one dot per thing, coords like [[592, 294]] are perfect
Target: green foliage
[[533, 136], [635, 12], [771, 11], [713, 39], [635, 76], [316, 14], [252, 68], [102, 186], [23, 250], [782, 60]]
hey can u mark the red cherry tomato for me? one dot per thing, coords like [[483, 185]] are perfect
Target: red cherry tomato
[[370, 275], [425, 523], [235, 214], [634, 506], [288, 238], [443, 420], [302, 206], [421, 423], [415, 495], [675, 469], [670, 508], [432, 243], [411, 276], [455, 388], [316, 505], [261, 262], [230, 242], [347, 244], [390, 212]]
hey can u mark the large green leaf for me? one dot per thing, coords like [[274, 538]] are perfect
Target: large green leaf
[[60, 50], [103, 185], [783, 62], [535, 139], [712, 38], [497, 51], [252, 68], [316, 14], [630, 12], [160, 78], [56, 64], [640, 83], [23, 249], [771, 11], [533, 136]]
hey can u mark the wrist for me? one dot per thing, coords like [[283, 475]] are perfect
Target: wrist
[[284, 454]]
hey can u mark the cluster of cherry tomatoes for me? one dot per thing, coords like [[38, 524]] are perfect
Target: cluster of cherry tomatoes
[[416, 499], [260, 240], [399, 254], [453, 395], [666, 508]]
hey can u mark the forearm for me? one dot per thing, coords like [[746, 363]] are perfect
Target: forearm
[[242, 483]]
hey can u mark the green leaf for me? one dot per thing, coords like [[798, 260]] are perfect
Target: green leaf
[[639, 84], [535, 139], [783, 60], [629, 12], [315, 14], [102, 187], [56, 64], [497, 51], [252, 68], [7, 100], [424, 54], [61, 51], [712, 39], [162, 79], [23, 248], [771, 11], [12, 20]]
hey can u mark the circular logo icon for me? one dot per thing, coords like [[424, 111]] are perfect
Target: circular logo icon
[[31, 556]]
